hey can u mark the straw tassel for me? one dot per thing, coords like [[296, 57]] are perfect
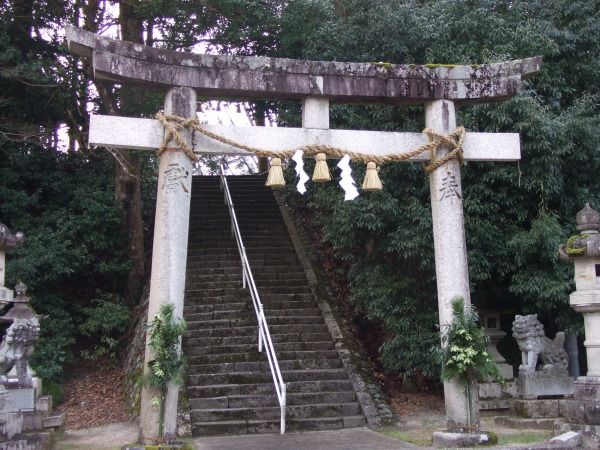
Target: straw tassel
[[321, 173], [275, 178], [372, 181]]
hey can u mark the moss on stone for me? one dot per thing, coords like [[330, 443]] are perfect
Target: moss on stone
[[571, 249], [382, 64]]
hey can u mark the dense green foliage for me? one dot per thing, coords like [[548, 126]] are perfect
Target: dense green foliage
[[168, 364], [465, 356], [61, 193]]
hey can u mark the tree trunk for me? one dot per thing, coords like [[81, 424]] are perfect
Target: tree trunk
[[259, 121], [128, 172], [127, 164]]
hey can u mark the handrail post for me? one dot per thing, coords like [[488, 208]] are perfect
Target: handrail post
[[260, 327], [283, 406]]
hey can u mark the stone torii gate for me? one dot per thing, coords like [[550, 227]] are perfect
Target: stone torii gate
[[316, 84]]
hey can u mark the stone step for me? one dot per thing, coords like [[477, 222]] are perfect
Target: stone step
[[228, 331], [201, 268], [273, 306], [202, 242], [270, 400], [256, 356], [210, 261], [270, 413], [263, 366], [267, 388], [273, 426], [244, 304], [239, 292], [237, 277], [233, 250], [265, 377], [251, 339], [222, 319], [200, 349]]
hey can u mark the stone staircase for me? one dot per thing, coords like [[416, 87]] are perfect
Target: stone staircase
[[229, 384]]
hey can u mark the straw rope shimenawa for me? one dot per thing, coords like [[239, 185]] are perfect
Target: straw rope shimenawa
[[454, 140]]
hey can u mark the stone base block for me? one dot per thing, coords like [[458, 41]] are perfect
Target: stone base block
[[525, 424], [506, 370], [570, 439], [535, 409], [544, 385], [23, 399], [493, 404], [5, 401], [587, 388], [44, 404], [590, 434], [54, 421], [35, 441], [446, 439], [496, 396], [11, 425], [583, 412], [32, 421]]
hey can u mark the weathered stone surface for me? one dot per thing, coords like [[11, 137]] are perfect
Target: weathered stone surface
[[490, 390], [450, 248], [574, 411], [256, 77], [44, 404], [535, 408], [169, 256], [525, 423], [147, 134], [540, 386], [495, 395], [32, 421], [445, 439], [54, 421], [570, 439], [587, 388], [23, 399], [11, 424]]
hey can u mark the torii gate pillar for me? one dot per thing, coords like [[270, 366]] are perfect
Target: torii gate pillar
[[169, 253], [451, 269]]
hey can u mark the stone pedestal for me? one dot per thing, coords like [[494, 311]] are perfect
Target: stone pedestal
[[533, 385], [22, 399]]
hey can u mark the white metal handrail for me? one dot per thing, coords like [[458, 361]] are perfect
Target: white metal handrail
[[264, 337]]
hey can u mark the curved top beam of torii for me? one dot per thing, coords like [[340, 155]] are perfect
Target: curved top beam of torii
[[228, 76]]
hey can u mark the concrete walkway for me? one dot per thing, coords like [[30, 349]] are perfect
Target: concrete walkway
[[117, 435], [348, 439]]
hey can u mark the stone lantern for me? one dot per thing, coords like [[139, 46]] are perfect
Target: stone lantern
[[583, 412], [584, 250]]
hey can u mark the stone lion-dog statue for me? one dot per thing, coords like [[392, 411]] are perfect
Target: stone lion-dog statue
[[538, 351], [16, 348]]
